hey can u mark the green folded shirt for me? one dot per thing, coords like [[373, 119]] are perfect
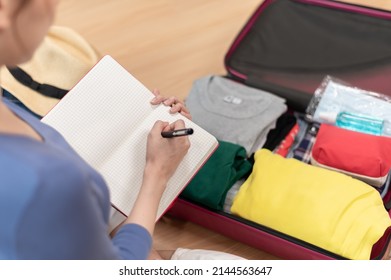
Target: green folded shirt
[[210, 185]]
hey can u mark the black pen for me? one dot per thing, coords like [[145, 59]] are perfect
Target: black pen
[[178, 132]]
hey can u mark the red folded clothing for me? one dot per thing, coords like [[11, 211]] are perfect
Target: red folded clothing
[[363, 156]]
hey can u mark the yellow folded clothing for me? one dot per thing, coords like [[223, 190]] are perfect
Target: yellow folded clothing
[[322, 207]]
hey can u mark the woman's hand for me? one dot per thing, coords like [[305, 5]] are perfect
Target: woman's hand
[[177, 106], [165, 154], [162, 159]]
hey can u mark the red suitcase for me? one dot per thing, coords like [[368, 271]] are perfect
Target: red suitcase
[[287, 47]]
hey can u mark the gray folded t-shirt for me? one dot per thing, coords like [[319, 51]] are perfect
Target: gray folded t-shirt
[[234, 112]]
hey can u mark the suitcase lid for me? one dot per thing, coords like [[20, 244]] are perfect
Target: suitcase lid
[[288, 46]]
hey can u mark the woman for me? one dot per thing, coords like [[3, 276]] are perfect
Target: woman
[[52, 204]]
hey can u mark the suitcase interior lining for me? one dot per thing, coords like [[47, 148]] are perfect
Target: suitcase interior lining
[[354, 48]]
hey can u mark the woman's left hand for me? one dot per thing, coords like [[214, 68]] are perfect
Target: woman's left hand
[[177, 106]]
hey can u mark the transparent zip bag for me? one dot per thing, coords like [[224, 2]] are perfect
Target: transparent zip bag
[[339, 103]]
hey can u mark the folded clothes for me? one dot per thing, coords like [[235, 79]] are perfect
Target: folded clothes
[[302, 150], [325, 208], [234, 112], [229, 198], [284, 124], [383, 190], [303, 127], [363, 156], [285, 145], [224, 168]]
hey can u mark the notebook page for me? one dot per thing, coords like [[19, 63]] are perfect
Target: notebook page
[[101, 111], [129, 159], [106, 118]]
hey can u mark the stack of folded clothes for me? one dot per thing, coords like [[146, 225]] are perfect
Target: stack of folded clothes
[[325, 208], [233, 112]]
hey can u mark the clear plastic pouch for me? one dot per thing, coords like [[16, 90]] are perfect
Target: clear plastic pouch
[[368, 112]]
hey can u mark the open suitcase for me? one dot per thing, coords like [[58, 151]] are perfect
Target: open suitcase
[[287, 47]]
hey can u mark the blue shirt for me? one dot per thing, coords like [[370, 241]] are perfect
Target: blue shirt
[[53, 205]]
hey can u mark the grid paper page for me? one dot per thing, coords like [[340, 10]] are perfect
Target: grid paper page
[[101, 111], [132, 152], [106, 118]]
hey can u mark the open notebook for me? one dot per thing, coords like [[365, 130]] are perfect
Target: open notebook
[[106, 118]]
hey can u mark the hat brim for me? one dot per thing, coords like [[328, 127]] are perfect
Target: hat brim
[[36, 102], [61, 60]]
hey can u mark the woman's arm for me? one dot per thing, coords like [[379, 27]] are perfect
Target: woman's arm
[[162, 159]]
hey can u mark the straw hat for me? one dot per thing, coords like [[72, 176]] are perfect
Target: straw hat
[[62, 59]]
